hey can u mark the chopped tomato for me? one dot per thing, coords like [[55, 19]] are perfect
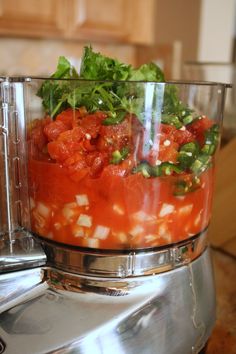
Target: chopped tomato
[[59, 151], [70, 117], [92, 124], [183, 136], [198, 128], [89, 195], [54, 129]]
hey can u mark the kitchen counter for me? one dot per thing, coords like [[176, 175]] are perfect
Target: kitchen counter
[[223, 339]]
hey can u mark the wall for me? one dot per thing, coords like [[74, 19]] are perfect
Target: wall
[[178, 20], [39, 57], [216, 30]]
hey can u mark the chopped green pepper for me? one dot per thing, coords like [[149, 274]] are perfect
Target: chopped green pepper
[[187, 154], [119, 156]]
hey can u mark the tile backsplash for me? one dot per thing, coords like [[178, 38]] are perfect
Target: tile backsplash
[[38, 57]]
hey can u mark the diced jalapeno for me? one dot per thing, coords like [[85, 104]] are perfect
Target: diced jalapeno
[[164, 169], [187, 154], [168, 168], [188, 119], [144, 168], [171, 120], [119, 156], [183, 187], [211, 140], [201, 164]]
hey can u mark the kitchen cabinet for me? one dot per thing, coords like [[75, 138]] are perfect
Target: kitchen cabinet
[[32, 18], [126, 21]]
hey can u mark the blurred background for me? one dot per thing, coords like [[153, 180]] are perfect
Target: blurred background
[[171, 32], [188, 39]]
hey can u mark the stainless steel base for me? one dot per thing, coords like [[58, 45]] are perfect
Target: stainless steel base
[[168, 313]]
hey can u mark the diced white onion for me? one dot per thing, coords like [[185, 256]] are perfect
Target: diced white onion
[[40, 220], [162, 230], [43, 210], [180, 197], [185, 210], [70, 205], [92, 242], [84, 220], [137, 230], [150, 238], [68, 212], [142, 216], [82, 199], [166, 209], [117, 209], [164, 233], [122, 237], [78, 231], [158, 162], [101, 232], [57, 225], [166, 142]]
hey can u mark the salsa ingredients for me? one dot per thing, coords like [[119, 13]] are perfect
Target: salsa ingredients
[[119, 161]]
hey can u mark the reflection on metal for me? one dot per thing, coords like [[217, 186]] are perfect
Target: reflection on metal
[[172, 312], [24, 252], [124, 264]]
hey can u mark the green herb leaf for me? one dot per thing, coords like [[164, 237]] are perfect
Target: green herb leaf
[[114, 118], [54, 93], [95, 66], [147, 72]]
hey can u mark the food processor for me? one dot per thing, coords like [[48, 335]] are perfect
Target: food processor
[[104, 215]]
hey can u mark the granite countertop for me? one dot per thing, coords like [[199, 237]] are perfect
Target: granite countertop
[[223, 339]]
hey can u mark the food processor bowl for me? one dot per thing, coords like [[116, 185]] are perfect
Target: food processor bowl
[[106, 197]]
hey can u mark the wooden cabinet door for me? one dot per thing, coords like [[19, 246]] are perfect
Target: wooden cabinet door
[[32, 18], [127, 21], [98, 19]]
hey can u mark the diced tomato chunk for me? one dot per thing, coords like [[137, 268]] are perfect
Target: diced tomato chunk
[[58, 151], [198, 128], [70, 117], [38, 137], [54, 129], [92, 124], [183, 136]]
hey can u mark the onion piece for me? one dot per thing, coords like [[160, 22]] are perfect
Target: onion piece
[[101, 232], [142, 216], [43, 210], [78, 231], [166, 209], [82, 199], [137, 230], [117, 209], [92, 242], [84, 220], [185, 210]]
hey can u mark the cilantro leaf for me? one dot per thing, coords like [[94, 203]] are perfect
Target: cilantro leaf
[[95, 66], [147, 72], [53, 92]]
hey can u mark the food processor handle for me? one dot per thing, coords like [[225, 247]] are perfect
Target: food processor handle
[[18, 248]]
